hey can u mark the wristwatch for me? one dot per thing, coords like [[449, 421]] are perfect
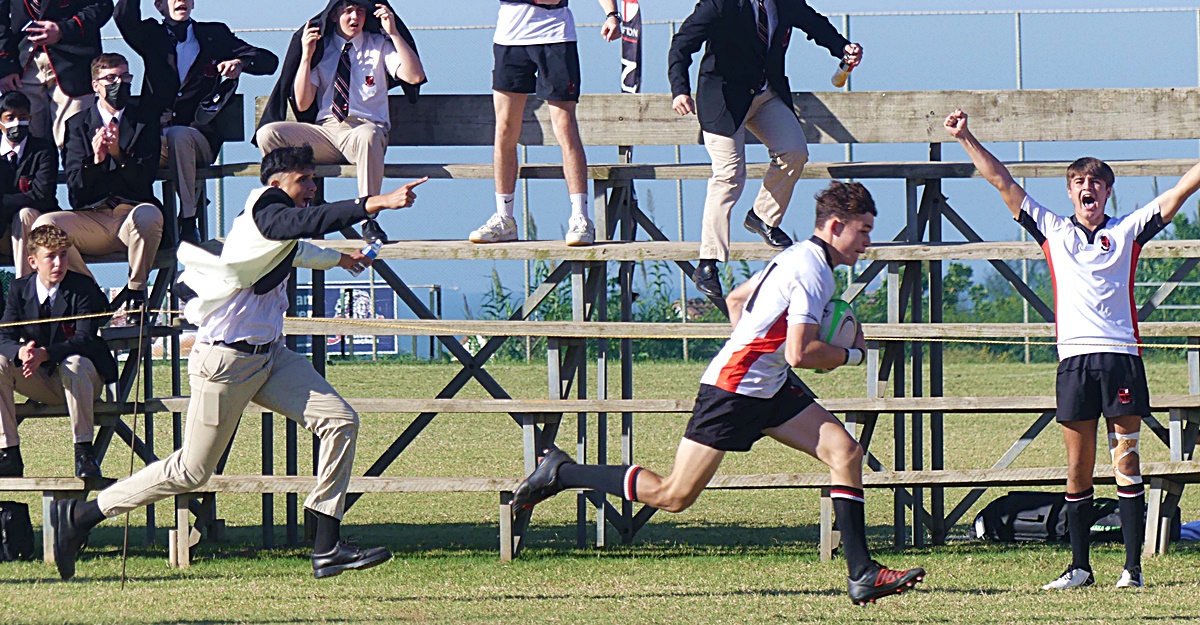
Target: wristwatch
[[616, 15]]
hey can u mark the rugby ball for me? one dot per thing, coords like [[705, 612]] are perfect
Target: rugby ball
[[839, 326]]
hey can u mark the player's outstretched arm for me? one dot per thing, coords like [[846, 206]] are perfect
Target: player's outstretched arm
[[988, 165], [1172, 199]]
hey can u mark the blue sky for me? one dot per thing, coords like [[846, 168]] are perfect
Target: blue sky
[[902, 53]]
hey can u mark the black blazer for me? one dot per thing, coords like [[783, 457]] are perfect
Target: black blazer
[[77, 295], [79, 21], [32, 183], [132, 179], [734, 60], [161, 88]]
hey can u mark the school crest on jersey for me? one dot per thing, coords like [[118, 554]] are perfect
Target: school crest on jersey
[[1105, 243]]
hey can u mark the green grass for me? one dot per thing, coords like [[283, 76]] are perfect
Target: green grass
[[734, 557]]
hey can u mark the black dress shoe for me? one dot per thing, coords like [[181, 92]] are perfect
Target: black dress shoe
[[189, 230], [133, 301], [543, 483], [11, 464], [68, 537], [345, 556], [372, 231], [707, 280], [774, 237], [86, 465]]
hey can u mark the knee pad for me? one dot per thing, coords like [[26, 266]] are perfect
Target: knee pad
[[1120, 446]]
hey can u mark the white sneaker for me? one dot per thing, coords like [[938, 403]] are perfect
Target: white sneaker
[[1071, 578], [498, 228], [580, 231], [1131, 579]]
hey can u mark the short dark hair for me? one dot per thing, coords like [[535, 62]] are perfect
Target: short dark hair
[[280, 160], [14, 101], [108, 60], [1094, 167], [843, 200]]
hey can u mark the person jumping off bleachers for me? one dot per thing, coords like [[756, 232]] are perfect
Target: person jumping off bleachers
[[1092, 259], [742, 86], [745, 394], [56, 362], [187, 63], [240, 296], [335, 78], [535, 52]]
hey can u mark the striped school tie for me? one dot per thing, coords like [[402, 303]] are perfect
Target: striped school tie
[[341, 86], [764, 30], [35, 9]]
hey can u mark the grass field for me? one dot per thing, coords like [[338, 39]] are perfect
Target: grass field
[[735, 557]]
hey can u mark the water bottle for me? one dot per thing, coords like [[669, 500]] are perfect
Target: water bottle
[[371, 250], [842, 73]]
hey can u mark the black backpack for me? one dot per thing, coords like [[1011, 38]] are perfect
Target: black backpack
[[16, 532], [1042, 517]]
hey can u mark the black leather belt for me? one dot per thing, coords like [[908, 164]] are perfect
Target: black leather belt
[[244, 347]]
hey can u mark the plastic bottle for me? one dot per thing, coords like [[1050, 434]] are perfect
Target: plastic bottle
[[841, 75], [371, 250]]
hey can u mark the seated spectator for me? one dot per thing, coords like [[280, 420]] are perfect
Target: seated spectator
[[57, 362], [336, 77], [111, 159], [185, 62], [28, 176], [45, 49]]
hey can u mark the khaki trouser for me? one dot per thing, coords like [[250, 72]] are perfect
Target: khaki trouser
[[50, 108], [99, 231], [357, 141], [184, 149], [22, 223], [74, 382], [223, 382], [777, 127]]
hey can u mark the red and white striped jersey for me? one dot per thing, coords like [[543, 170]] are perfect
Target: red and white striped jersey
[[1093, 275], [793, 289]]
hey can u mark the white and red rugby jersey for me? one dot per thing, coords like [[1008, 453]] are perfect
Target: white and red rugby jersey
[[1093, 275], [793, 289]]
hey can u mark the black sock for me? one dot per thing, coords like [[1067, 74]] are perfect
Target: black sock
[[328, 532], [87, 515], [851, 522], [1132, 509], [1079, 527], [615, 479], [84, 448]]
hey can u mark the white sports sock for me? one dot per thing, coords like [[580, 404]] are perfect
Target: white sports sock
[[504, 204], [579, 206]]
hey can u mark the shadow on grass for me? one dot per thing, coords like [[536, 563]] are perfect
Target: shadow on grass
[[765, 592]]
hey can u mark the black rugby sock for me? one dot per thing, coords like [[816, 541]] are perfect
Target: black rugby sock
[[851, 522], [1131, 507], [1079, 526], [619, 480]]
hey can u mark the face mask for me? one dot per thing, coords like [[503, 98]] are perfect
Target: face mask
[[16, 131], [117, 94]]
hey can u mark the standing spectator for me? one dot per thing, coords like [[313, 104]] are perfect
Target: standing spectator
[[185, 62], [46, 47], [742, 86], [336, 76], [535, 52]]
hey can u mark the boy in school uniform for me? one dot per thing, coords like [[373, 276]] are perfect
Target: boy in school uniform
[[28, 175], [57, 361]]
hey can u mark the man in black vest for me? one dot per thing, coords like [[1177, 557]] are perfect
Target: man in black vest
[[240, 299], [46, 47], [28, 176], [111, 158], [742, 87], [59, 362], [185, 61]]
